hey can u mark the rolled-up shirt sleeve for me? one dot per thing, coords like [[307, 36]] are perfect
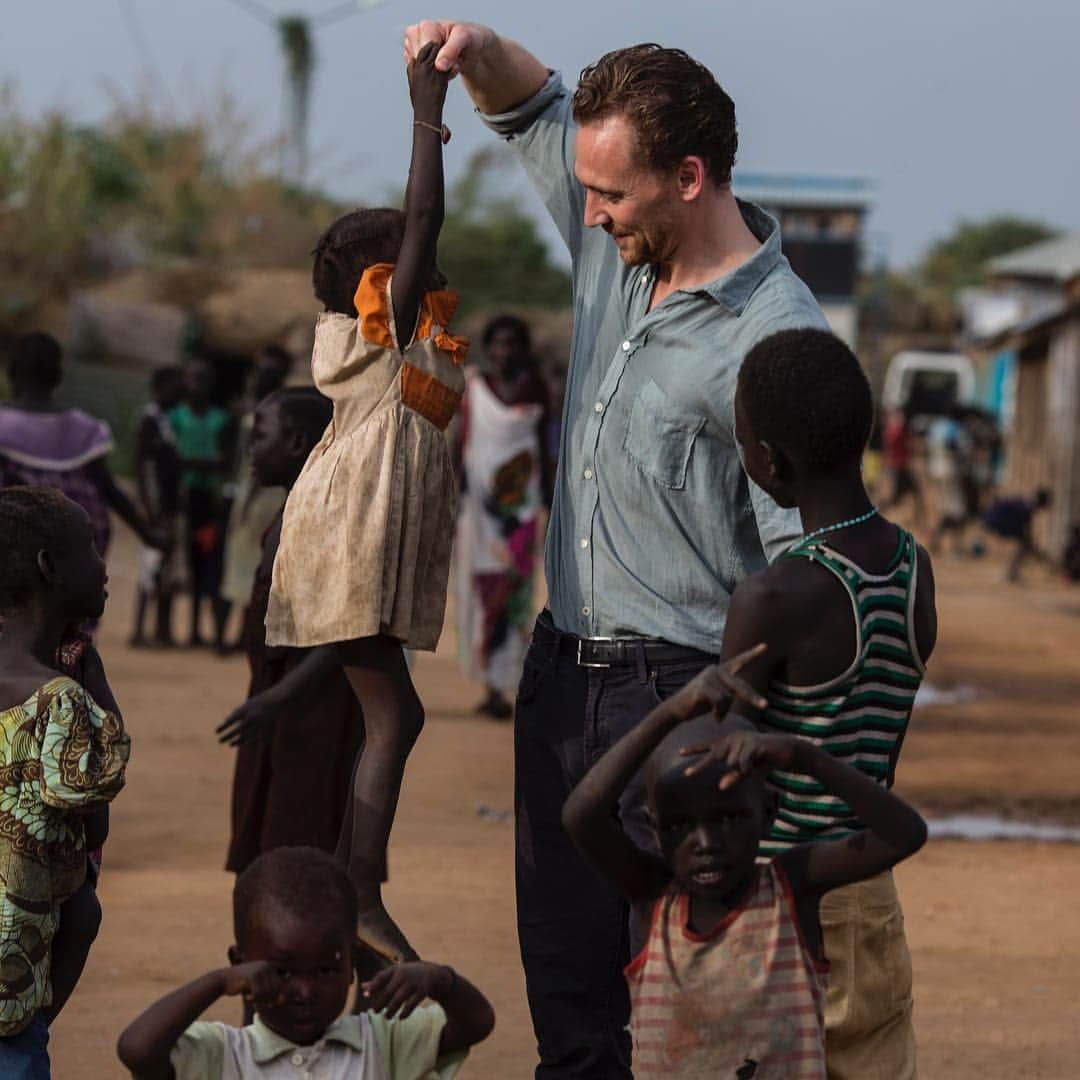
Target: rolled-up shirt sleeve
[[541, 131]]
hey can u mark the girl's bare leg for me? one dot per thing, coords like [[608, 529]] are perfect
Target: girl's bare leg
[[393, 717]]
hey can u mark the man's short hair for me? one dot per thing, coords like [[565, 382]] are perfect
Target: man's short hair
[[805, 391], [675, 105], [304, 881]]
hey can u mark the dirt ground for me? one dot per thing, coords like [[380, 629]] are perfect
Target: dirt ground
[[997, 959]]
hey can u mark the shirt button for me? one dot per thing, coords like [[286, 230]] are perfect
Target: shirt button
[[588, 474], [584, 542], [586, 611], [298, 1059], [626, 346], [598, 407]]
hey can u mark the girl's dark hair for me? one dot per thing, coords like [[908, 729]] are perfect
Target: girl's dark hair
[[519, 327], [804, 390], [35, 361], [32, 519], [303, 410], [353, 243], [304, 881]]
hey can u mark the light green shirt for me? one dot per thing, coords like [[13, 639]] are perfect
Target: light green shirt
[[358, 1047]]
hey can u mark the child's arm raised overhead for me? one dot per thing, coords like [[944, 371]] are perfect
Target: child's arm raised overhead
[[423, 195], [587, 814], [147, 1043], [894, 830]]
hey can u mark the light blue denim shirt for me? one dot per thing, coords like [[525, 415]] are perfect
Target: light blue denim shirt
[[654, 521]]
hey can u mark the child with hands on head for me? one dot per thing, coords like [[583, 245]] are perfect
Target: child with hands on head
[[63, 752], [729, 982], [365, 540], [295, 922]]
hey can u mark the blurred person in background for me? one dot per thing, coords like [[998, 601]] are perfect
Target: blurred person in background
[[157, 474], [950, 458], [43, 444], [205, 438], [896, 451], [506, 472], [1011, 519], [254, 507]]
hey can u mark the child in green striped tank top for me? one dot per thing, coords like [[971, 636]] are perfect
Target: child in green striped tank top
[[849, 620]]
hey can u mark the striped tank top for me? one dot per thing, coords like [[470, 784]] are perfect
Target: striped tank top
[[744, 1000], [862, 715]]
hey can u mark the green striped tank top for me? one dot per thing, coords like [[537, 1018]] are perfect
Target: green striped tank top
[[862, 715]]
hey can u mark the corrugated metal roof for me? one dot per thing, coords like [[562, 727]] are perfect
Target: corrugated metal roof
[[803, 190], [1057, 259]]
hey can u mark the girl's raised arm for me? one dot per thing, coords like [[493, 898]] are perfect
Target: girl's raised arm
[[415, 268]]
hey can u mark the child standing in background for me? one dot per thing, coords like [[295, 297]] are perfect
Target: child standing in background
[[298, 733], [157, 475], [205, 436], [366, 536], [63, 751]]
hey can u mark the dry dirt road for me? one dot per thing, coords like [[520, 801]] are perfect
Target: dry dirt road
[[992, 928]]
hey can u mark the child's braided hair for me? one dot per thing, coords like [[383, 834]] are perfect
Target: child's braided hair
[[353, 243], [32, 519]]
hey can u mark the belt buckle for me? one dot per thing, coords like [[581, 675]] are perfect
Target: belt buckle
[[582, 663]]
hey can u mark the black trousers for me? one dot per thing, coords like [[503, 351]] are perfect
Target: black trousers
[[573, 928]]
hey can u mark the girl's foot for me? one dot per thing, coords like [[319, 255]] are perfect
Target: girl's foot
[[379, 933]]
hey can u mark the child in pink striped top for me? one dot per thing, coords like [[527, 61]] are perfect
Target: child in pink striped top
[[729, 983]]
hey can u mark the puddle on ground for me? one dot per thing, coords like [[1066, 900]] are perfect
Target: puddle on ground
[[993, 827], [931, 696]]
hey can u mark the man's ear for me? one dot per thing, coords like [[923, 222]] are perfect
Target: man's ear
[[778, 462], [235, 955], [691, 177]]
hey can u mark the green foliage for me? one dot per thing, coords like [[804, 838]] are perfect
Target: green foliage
[[960, 259], [491, 251]]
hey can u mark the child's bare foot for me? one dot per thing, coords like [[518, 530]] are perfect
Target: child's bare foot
[[376, 930]]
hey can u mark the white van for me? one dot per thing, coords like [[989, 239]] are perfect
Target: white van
[[928, 383]]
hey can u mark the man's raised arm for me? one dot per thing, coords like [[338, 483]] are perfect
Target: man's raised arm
[[499, 74]]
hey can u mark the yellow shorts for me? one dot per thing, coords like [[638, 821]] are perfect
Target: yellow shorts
[[868, 1029]]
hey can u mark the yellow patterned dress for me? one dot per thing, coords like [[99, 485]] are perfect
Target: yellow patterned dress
[[368, 526], [60, 753]]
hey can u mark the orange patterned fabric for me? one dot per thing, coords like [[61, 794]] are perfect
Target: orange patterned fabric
[[424, 394], [436, 311]]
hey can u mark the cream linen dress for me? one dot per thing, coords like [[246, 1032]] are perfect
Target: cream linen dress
[[368, 526]]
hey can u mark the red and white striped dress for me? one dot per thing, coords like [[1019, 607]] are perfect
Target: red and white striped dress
[[743, 1001]]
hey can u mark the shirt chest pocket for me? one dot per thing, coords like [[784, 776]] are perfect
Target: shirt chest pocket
[[660, 436]]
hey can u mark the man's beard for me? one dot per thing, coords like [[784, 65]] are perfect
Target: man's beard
[[645, 247]]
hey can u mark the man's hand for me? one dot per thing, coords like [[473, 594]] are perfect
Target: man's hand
[[399, 989], [257, 982], [254, 719], [715, 687], [743, 751], [460, 43]]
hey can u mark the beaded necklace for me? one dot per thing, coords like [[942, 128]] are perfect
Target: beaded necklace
[[840, 525]]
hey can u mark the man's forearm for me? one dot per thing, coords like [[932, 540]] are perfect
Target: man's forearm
[[502, 75]]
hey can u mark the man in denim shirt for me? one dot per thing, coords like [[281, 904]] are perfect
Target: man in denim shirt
[[654, 521]]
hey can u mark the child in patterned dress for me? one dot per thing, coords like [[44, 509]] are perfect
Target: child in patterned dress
[[366, 535], [63, 751]]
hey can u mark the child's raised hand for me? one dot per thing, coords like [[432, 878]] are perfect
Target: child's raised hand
[[427, 86], [715, 687], [402, 987], [742, 750], [256, 981]]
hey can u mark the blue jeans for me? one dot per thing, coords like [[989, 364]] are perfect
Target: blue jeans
[[573, 928], [26, 1056]]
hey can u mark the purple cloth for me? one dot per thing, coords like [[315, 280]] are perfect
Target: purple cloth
[[57, 449]]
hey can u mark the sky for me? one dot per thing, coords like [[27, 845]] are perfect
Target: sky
[[952, 108]]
